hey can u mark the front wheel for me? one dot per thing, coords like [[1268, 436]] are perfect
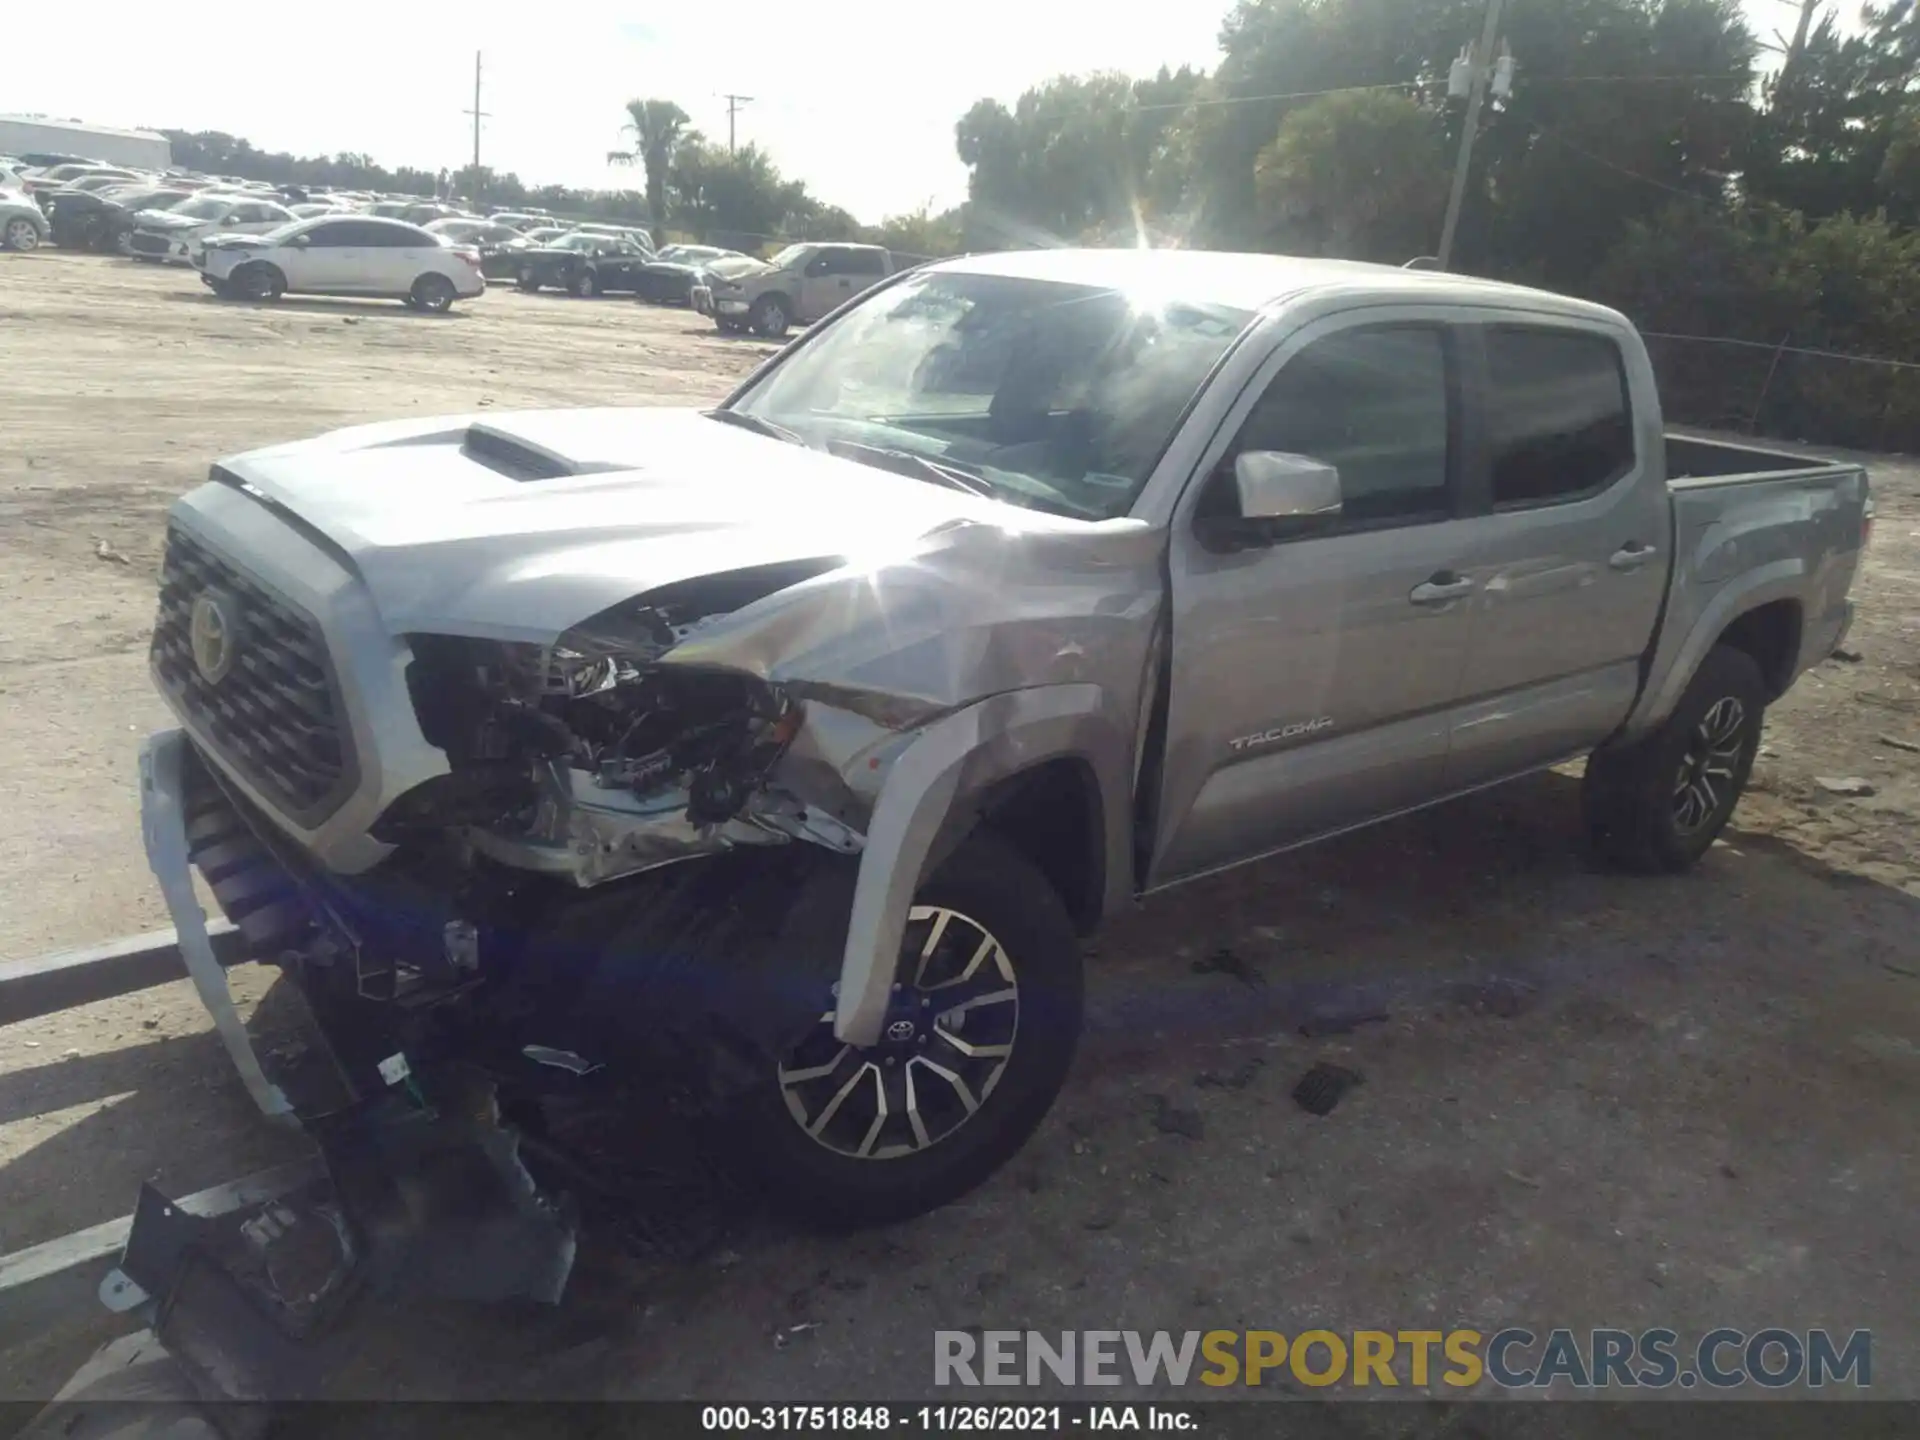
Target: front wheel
[[770, 317], [258, 282], [22, 234], [1658, 805], [976, 1044], [528, 282]]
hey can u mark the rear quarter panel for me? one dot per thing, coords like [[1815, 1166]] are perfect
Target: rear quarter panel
[[1741, 542]]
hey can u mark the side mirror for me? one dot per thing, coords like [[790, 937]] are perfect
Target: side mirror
[[1273, 494], [1276, 485], [300, 242]]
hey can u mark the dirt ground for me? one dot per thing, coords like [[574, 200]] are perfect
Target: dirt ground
[[1593, 1100]]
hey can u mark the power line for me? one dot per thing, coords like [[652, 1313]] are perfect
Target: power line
[[1601, 160], [1532, 81]]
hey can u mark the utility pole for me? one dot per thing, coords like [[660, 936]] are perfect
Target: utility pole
[[734, 105], [478, 115], [1482, 65]]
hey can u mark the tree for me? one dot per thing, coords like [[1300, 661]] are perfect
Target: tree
[[658, 129], [1362, 176], [739, 199], [1076, 157], [922, 233]]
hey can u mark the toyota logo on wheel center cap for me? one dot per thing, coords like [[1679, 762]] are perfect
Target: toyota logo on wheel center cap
[[900, 1030], [212, 635]]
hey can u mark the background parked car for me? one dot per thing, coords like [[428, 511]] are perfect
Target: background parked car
[[174, 235], [520, 220], [358, 255], [55, 176], [799, 285], [80, 220], [669, 278], [582, 264], [22, 226], [498, 244]]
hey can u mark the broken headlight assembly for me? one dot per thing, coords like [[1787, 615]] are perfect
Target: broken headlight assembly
[[586, 744]]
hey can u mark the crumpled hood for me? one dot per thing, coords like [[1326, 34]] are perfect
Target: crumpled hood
[[518, 526]]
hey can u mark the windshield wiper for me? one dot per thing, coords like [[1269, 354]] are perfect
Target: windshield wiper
[[744, 421], [916, 465]]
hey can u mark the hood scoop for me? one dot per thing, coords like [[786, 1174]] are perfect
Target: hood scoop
[[514, 457]]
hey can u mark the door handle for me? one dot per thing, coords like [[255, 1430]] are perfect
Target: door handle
[[1442, 589], [1631, 556]]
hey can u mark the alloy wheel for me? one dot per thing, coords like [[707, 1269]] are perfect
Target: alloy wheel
[[1707, 773], [948, 1034]]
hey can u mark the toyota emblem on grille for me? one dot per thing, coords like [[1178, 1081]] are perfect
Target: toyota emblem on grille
[[213, 636]]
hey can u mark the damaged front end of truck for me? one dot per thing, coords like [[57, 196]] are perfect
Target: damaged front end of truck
[[610, 880]]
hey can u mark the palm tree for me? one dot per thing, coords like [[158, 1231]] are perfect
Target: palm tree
[[657, 128]]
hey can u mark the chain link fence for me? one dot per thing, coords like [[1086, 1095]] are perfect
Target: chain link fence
[[1788, 392]]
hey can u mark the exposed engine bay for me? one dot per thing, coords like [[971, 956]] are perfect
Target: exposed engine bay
[[589, 759]]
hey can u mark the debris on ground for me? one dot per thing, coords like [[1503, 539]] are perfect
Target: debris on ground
[[103, 551], [784, 1338], [1238, 1078], [1227, 961], [1898, 744], [1502, 998], [1170, 1119], [1341, 1020], [1844, 785], [1323, 1087], [1850, 657], [1527, 1180]]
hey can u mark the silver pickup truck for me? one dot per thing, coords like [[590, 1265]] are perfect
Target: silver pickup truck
[[781, 754]]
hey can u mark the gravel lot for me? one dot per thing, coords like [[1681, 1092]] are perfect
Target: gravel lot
[[1594, 1100]]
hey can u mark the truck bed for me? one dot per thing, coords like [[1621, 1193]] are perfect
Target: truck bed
[[1694, 460]]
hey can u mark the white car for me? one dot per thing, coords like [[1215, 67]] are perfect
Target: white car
[[174, 236], [359, 255]]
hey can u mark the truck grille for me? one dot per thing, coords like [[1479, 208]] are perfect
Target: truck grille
[[274, 715]]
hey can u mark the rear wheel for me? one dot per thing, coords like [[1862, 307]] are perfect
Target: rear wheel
[[1658, 804], [22, 234], [432, 293]]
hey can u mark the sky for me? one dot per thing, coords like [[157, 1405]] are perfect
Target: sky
[[856, 97]]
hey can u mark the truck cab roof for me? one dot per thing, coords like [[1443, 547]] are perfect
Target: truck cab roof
[[1245, 281]]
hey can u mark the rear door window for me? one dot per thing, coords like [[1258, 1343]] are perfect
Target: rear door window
[[1559, 422]]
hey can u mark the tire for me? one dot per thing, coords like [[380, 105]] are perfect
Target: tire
[[20, 234], [432, 293], [221, 288], [1657, 806], [770, 317], [528, 282], [585, 285], [259, 282], [731, 327], [986, 889]]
